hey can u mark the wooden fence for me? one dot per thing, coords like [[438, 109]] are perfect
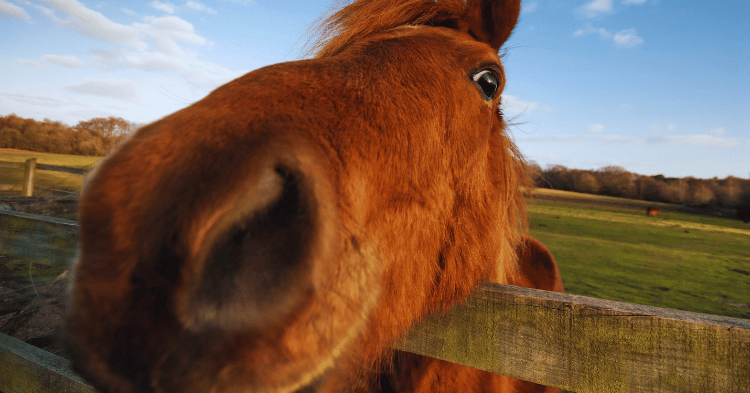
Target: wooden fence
[[572, 342], [29, 169]]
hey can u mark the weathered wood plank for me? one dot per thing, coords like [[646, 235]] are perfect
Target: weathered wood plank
[[28, 177], [57, 168], [27, 369], [44, 167], [572, 342], [588, 345], [52, 221], [8, 164]]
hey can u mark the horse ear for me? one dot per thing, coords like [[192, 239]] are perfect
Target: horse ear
[[491, 21]]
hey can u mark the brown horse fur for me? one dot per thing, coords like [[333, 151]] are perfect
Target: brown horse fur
[[652, 211], [279, 234], [538, 268]]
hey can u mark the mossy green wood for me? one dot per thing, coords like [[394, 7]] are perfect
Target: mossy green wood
[[588, 345], [28, 369], [46, 246]]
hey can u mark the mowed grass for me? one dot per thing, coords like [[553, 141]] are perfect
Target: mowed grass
[[13, 177], [608, 248]]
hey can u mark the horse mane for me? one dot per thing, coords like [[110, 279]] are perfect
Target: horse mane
[[352, 21], [516, 180], [348, 23]]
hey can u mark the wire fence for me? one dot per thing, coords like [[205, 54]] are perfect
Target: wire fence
[[36, 253]]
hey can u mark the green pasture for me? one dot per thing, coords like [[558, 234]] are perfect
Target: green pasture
[[11, 178], [608, 248], [686, 259], [36, 250]]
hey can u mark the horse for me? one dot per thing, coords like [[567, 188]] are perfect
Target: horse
[[652, 211], [280, 234]]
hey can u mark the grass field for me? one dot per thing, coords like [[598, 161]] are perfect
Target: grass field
[[608, 248], [11, 178], [686, 259]]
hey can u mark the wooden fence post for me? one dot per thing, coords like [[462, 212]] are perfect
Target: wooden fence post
[[28, 177]]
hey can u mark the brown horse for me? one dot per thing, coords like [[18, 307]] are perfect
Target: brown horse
[[281, 233], [652, 211]]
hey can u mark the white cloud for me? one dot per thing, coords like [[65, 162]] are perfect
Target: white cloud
[[718, 131], [627, 39], [93, 24], [699, 140], [656, 128], [589, 29], [30, 63], [595, 8], [129, 11], [48, 12], [512, 106], [240, 2], [33, 100], [117, 89], [623, 39], [578, 139], [529, 7], [198, 6], [197, 72], [65, 61], [166, 7], [596, 128], [155, 44], [13, 11]]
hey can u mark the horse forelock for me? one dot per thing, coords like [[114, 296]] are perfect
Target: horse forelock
[[352, 22]]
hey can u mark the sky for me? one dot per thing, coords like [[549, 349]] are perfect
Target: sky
[[654, 86]]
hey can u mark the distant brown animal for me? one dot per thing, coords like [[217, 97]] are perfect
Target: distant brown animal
[[281, 233], [652, 211]]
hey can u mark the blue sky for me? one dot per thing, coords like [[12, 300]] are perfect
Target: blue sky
[[654, 86]]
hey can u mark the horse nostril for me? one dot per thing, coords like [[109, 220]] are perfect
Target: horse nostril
[[256, 269]]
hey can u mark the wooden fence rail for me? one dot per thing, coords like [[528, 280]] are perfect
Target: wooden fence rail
[[31, 166], [571, 342], [585, 344], [27, 369]]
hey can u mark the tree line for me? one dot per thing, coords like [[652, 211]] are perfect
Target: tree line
[[730, 192], [97, 136], [94, 137]]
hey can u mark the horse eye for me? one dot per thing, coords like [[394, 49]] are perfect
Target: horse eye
[[487, 83]]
